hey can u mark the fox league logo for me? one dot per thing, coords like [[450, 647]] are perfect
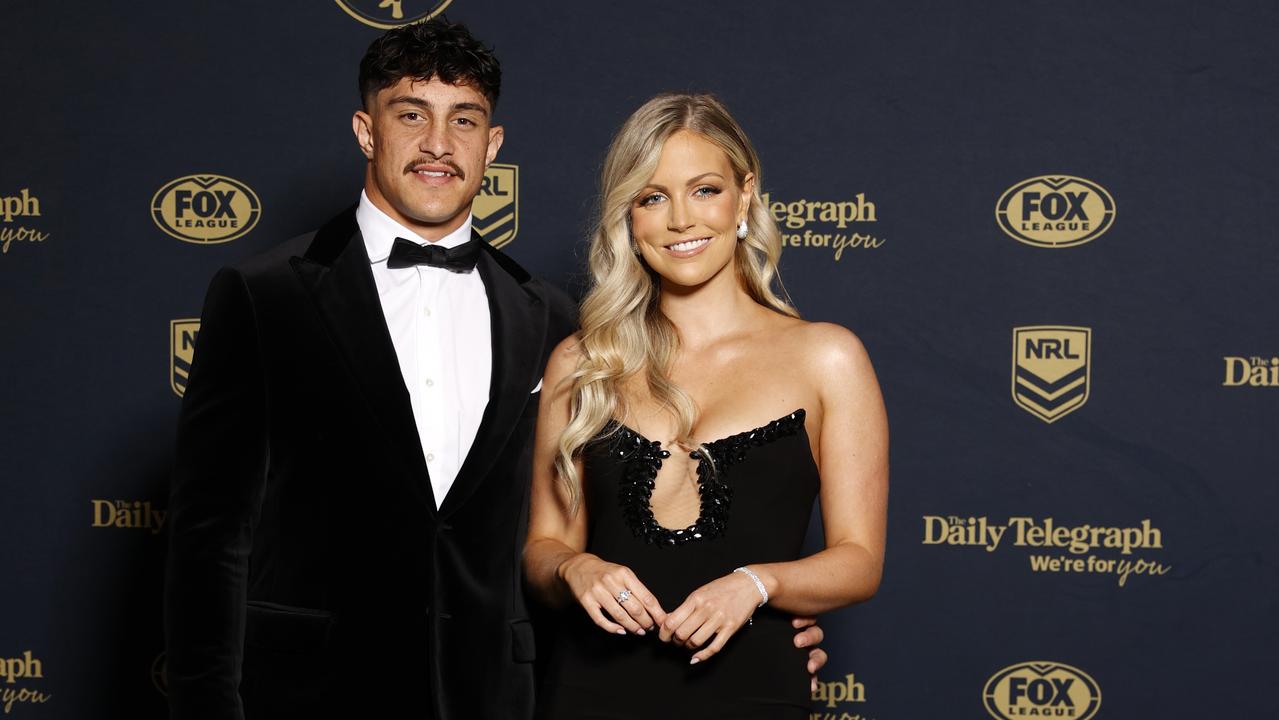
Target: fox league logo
[[386, 14], [182, 336], [496, 209], [1051, 369], [1040, 690], [1055, 211], [205, 209]]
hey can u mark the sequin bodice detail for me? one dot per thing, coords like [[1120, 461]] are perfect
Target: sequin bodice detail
[[643, 458], [757, 490]]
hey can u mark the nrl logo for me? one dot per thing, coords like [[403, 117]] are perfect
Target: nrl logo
[[497, 207], [1051, 369], [387, 14], [182, 334]]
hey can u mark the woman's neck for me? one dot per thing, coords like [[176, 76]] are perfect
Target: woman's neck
[[706, 313]]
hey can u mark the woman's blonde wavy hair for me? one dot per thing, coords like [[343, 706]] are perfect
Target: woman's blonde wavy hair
[[623, 331]]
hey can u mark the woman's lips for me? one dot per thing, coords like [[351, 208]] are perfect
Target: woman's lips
[[688, 248]]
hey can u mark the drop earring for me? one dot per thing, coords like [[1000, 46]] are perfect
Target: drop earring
[[742, 229]]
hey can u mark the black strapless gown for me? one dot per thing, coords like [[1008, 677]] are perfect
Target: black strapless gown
[[755, 508]]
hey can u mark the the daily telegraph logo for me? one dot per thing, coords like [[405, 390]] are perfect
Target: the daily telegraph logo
[[496, 209], [182, 335], [1051, 369], [135, 515], [837, 692], [1254, 371], [1055, 211], [833, 225], [1042, 690], [205, 209], [21, 207], [1058, 548], [15, 673], [387, 14]]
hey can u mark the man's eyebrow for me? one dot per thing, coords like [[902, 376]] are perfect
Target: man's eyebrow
[[471, 106], [411, 100], [426, 105]]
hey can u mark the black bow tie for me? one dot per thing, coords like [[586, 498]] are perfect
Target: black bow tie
[[460, 259]]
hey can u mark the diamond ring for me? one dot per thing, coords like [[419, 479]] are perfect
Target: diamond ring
[[623, 596]]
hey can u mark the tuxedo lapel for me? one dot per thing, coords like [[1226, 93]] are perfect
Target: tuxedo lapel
[[519, 320], [335, 269]]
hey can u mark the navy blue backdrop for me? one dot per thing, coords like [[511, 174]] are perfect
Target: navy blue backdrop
[[1050, 223]]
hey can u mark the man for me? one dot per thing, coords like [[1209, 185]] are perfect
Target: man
[[350, 497]]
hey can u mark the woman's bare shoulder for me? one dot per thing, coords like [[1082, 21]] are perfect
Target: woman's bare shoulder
[[825, 347]]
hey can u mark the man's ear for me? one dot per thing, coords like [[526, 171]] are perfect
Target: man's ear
[[496, 135], [362, 126]]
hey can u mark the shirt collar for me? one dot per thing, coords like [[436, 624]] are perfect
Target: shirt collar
[[380, 230]]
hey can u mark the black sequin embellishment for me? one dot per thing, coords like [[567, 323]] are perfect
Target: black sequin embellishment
[[643, 458]]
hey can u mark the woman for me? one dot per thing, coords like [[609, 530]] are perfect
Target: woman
[[682, 438]]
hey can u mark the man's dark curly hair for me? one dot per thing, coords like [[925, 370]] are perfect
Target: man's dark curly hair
[[435, 48]]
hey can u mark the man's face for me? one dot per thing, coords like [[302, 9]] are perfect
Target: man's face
[[428, 144]]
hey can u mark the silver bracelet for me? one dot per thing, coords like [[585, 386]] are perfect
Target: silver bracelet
[[759, 584]]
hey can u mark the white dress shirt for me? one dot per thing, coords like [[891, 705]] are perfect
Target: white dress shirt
[[439, 323]]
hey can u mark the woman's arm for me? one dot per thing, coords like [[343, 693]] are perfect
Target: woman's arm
[[555, 564], [853, 461], [554, 533]]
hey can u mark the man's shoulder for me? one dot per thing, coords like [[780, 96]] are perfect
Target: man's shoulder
[[276, 257], [560, 303], [279, 258]]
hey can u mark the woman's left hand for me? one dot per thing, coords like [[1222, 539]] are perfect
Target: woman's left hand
[[715, 610]]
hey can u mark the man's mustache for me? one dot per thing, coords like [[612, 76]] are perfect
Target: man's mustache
[[452, 166]]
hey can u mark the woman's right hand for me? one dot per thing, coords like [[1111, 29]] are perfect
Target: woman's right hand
[[596, 584]]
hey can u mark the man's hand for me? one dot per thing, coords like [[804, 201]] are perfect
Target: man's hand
[[810, 636]]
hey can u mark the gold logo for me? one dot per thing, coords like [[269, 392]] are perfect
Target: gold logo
[[834, 692], [1042, 689], [182, 335], [160, 673], [22, 205], [1057, 547], [205, 209], [497, 207], [15, 669], [1055, 211], [829, 224], [1051, 369], [138, 515], [387, 14], [1253, 371]]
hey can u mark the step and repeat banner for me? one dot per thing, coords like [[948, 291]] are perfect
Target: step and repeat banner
[[1051, 224]]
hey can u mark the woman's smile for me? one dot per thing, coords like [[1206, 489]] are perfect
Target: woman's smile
[[688, 248]]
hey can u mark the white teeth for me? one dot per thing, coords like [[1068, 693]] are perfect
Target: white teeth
[[689, 245], [431, 173]]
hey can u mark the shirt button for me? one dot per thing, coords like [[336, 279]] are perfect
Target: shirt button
[[427, 311], [430, 457], [430, 382]]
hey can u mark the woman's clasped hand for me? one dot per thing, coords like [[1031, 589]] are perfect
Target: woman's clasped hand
[[618, 602]]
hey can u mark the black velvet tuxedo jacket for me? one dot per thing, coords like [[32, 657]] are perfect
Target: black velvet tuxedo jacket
[[310, 573]]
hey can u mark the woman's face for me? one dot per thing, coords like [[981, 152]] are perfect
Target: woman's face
[[685, 219]]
